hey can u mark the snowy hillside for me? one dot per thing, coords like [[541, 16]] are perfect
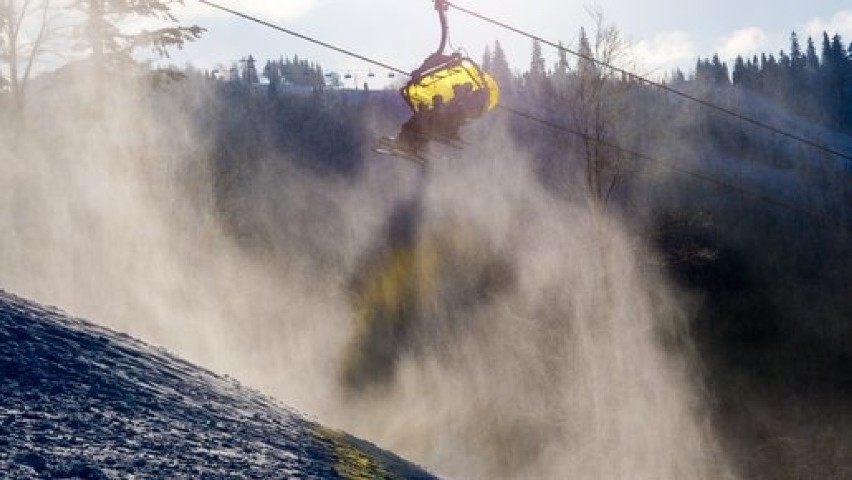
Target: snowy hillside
[[80, 401]]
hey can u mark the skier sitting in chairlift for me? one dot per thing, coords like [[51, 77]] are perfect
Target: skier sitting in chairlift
[[444, 93]]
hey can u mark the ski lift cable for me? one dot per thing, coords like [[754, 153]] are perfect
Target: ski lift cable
[[303, 37], [670, 165], [662, 86], [743, 191]]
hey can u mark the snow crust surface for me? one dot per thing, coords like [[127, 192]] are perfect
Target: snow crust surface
[[81, 401]]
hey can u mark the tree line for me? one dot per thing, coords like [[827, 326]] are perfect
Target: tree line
[[815, 83]]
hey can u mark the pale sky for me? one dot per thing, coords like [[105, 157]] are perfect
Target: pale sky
[[665, 33]]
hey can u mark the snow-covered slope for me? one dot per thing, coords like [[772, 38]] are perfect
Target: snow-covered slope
[[81, 401]]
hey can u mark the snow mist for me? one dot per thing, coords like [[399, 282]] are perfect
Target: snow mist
[[533, 338]]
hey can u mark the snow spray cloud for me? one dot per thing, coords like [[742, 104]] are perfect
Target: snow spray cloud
[[541, 344], [519, 336], [109, 212]]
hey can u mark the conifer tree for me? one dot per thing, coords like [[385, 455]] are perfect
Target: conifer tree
[[486, 59], [826, 48], [812, 60], [500, 68], [784, 62], [740, 73], [837, 50], [833, 62], [538, 70], [713, 72], [272, 72], [720, 71], [111, 47], [562, 62], [537, 75], [754, 73], [797, 59], [585, 65], [249, 76], [559, 81]]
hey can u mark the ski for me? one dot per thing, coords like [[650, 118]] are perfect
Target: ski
[[388, 145]]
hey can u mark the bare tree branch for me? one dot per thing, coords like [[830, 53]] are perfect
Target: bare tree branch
[[18, 20], [596, 99]]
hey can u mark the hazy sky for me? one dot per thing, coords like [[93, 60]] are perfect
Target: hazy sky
[[664, 33]]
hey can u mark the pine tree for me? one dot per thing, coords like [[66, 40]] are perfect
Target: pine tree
[[767, 76], [797, 59], [272, 72], [538, 70], [249, 75], [784, 62], [832, 73], [561, 68], [826, 48], [111, 47], [559, 81], [839, 78], [537, 76], [754, 73], [740, 73], [720, 71], [847, 105], [837, 51], [500, 68], [486, 59], [713, 72], [585, 64], [701, 72], [812, 60]]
